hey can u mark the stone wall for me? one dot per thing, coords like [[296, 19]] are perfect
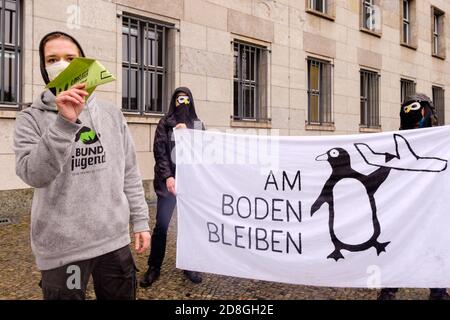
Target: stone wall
[[201, 57]]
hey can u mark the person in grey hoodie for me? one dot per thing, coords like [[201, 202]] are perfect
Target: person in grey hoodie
[[79, 156]]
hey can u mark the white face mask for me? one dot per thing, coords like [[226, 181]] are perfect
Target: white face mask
[[55, 69]]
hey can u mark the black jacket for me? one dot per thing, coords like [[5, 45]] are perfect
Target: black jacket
[[164, 143]]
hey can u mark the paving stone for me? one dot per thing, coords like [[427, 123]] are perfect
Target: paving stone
[[19, 277]]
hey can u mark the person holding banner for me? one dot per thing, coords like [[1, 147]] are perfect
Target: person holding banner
[[417, 111], [181, 114], [79, 156]]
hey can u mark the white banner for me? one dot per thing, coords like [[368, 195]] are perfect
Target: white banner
[[343, 211]]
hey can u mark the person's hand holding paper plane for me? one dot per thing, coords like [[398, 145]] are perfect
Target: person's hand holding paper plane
[[82, 70]]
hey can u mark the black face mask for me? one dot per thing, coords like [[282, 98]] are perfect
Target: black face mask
[[410, 120], [415, 120], [182, 113]]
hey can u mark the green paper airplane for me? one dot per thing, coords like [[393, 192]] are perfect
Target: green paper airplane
[[82, 70]]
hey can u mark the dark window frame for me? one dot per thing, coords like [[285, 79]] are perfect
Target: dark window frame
[[324, 91], [11, 48], [315, 5], [406, 22], [148, 65], [367, 5], [247, 78], [322, 8], [439, 103], [370, 98], [371, 17], [438, 35], [407, 88]]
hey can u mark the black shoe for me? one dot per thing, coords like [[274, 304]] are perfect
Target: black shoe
[[440, 296], [195, 277], [386, 295], [150, 276]]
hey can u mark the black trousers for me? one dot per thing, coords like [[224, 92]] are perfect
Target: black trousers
[[164, 211], [114, 276]]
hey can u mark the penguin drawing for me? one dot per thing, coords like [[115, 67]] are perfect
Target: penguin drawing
[[339, 160], [405, 159]]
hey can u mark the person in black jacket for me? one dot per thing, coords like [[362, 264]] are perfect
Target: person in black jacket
[[181, 114], [417, 112]]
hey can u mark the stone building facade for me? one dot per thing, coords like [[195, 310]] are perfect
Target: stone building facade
[[303, 67]]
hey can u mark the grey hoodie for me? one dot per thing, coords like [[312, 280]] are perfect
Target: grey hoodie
[[86, 178]]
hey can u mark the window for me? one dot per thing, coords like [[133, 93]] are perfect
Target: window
[[371, 16], [408, 24], [319, 91], [249, 82], [370, 103], [323, 8], [408, 87], [439, 103], [10, 52], [144, 66], [406, 36], [318, 5], [438, 32]]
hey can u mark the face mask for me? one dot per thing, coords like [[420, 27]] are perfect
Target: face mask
[[55, 69], [412, 107], [183, 100]]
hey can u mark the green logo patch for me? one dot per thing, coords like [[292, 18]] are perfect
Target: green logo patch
[[87, 136]]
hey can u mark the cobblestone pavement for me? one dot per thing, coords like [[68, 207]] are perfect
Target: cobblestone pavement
[[19, 277]]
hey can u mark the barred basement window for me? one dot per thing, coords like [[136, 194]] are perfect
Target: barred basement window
[[10, 52], [144, 65], [370, 102], [439, 103], [408, 88], [319, 91], [249, 82]]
